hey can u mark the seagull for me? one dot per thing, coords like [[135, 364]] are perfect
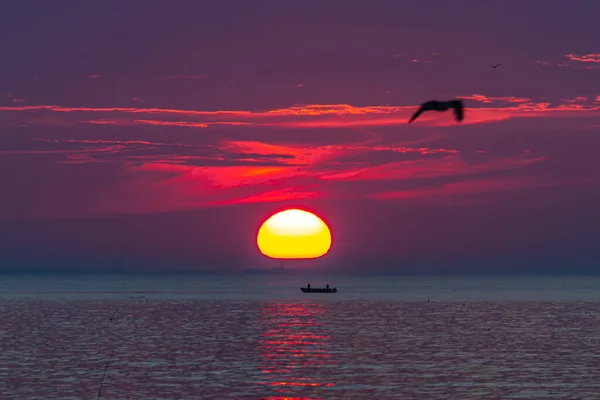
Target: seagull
[[495, 66], [435, 105]]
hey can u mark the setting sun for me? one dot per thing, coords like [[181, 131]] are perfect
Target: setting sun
[[294, 234]]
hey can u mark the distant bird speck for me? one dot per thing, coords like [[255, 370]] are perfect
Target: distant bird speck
[[435, 105], [495, 66]]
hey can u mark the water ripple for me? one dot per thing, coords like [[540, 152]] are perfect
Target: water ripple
[[215, 349]]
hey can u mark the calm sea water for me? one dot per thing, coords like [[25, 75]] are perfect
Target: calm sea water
[[261, 338]]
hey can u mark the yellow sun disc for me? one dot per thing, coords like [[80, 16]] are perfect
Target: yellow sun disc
[[294, 234]]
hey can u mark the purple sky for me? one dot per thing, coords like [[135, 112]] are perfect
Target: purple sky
[[140, 133]]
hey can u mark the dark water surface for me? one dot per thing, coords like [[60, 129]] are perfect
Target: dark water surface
[[309, 347]]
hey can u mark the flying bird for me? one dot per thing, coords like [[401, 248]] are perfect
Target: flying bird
[[435, 105], [495, 66]]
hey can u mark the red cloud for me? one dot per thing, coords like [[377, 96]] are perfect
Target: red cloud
[[273, 196], [216, 178], [299, 154], [579, 99], [309, 174]]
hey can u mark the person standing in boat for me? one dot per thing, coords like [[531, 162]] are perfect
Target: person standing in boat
[[327, 287], [308, 286]]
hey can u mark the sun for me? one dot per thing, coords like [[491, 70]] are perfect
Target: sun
[[294, 234]]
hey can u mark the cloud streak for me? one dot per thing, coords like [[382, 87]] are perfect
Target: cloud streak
[[312, 116], [586, 58], [188, 77], [297, 153]]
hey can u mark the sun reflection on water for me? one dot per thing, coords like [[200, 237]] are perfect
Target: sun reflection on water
[[294, 348]]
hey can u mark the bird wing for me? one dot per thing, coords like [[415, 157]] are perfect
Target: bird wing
[[416, 114], [459, 110], [497, 65]]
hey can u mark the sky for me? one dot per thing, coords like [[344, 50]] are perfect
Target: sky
[[139, 134]]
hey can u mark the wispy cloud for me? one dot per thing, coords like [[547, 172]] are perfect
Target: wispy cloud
[[586, 58], [199, 76], [315, 115], [478, 186], [578, 99], [292, 193], [14, 99], [300, 152], [245, 184], [257, 166], [485, 99], [589, 61], [171, 123]]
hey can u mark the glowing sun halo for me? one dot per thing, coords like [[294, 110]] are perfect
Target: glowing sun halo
[[294, 234]]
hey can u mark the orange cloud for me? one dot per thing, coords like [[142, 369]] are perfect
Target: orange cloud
[[318, 115], [586, 58], [485, 99], [107, 121]]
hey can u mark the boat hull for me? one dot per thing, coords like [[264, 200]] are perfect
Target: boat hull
[[318, 290]]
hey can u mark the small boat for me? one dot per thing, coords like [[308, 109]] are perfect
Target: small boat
[[318, 290]]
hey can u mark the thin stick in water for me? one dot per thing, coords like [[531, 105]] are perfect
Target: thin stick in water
[[102, 381]]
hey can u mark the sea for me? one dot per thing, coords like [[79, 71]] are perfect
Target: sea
[[119, 336]]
